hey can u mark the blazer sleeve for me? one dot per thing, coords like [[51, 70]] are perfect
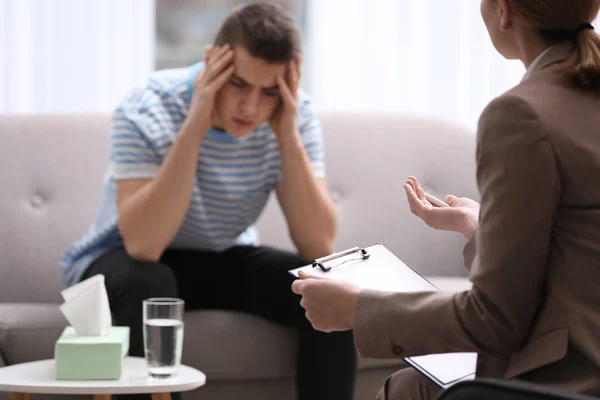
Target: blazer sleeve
[[520, 188], [469, 252]]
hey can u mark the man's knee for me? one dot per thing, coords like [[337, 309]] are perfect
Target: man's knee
[[408, 384], [126, 278], [149, 280]]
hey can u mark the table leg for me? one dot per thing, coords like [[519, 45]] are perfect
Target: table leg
[[161, 396], [20, 396], [102, 397]]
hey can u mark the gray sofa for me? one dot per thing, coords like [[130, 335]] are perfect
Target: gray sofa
[[52, 173]]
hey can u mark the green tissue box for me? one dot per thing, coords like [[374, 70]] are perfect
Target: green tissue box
[[91, 357]]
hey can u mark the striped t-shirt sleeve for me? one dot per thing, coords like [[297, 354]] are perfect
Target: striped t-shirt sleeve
[[137, 125], [312, 136]]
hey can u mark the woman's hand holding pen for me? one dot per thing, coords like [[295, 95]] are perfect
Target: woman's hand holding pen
[[461, 216]]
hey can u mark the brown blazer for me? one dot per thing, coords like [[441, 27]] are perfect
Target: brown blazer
[[533, 312]]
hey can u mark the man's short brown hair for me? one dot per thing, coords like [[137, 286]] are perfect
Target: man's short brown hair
[[266, 31]]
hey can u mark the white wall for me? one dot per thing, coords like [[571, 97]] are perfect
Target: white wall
[[418, 56], [429, 57], [72, 55]]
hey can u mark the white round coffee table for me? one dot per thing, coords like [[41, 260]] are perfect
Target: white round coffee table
[[39, 377]]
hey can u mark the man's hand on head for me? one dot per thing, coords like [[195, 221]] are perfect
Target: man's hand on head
[[218, 69], [284, 119]]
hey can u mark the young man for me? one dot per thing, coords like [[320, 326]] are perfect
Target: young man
[[194, 156]]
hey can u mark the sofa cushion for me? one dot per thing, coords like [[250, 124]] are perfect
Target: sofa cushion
[[223, 345]]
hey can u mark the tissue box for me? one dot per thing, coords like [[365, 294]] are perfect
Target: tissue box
[[91, 357]]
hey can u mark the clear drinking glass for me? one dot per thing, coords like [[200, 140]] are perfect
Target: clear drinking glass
[[163, 335]]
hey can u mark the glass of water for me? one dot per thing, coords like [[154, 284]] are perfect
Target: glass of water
[[163, 335]]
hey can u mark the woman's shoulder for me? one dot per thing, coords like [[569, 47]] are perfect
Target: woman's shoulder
[[535, 103], [508, 113]]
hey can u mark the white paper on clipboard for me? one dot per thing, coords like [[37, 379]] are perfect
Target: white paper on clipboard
[[446, 369], [377, 268]]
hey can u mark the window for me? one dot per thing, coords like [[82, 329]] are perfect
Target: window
[[184, 27]]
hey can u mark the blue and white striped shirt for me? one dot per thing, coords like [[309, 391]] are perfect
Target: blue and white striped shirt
[[234, 176]]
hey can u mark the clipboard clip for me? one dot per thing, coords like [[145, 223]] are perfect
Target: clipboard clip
[[355, 250]]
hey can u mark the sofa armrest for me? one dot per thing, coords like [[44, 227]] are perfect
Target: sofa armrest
[[28, 331]]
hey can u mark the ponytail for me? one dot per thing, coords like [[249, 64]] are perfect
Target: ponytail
[[583, 67], [557, 22]]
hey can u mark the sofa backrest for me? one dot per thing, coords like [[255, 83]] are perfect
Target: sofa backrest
[[53, 169], [368, 159]]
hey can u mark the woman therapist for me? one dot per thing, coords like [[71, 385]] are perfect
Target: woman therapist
[[533, 313]]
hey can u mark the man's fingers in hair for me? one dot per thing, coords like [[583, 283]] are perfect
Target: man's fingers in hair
[[293, 71], [298, 64], [215, 53], [208, 49], [218, 65], [285, 91], [216, 84]]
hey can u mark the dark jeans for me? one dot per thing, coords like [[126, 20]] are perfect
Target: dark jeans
[[244, 278]]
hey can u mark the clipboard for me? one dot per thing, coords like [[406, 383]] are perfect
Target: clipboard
[[377, 268]]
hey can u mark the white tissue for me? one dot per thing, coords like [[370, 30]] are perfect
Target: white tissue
[[86, 307]]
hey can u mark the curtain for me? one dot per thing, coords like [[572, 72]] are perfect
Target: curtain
[[73, 55]]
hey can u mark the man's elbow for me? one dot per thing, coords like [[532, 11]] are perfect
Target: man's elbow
[[316, 249], [141, 250]]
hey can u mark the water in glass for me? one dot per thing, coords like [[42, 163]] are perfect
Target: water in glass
[[163, 337]]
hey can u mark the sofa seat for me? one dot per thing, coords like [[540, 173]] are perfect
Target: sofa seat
[[227, 345]]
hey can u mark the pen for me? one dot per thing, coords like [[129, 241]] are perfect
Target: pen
[[435, 201]]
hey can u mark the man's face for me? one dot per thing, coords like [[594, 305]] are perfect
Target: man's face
[[250, 97]]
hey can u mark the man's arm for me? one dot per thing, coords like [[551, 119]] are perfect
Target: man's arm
[[304, 199], [513, 242], [302, 192], [151, 211]]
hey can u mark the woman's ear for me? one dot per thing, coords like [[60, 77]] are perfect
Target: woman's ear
[[505, 15]]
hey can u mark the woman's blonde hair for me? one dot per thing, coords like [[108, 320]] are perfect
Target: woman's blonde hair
[[560, 20]]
